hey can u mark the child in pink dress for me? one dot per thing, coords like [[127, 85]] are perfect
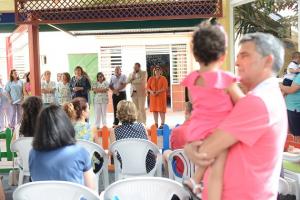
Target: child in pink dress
[[213, 93]]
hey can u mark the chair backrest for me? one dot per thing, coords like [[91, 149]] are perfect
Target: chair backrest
[[284, 187], [49, 190], [145, 188], [23, 146], [133, 154], [188, 167], [92, 147]]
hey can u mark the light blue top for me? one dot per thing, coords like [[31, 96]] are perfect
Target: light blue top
[[66, 164], [83, 131], [15, 90], [293, 100], [115, 81]]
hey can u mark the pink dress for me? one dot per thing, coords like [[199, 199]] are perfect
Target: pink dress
[[211, 103]]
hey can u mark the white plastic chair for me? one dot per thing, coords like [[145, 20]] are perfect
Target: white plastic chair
[[50, 190], [284, 187], [133, 154], [145, 188], [22, 146], [91, 148], [188, 166]]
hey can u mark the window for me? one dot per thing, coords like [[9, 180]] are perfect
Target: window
[[110, 57], [179, 62]]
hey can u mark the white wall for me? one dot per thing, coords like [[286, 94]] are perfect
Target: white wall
[[57, 45]]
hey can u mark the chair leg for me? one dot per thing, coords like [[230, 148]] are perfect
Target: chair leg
[[105, 178], [21, 177], [159, 166]]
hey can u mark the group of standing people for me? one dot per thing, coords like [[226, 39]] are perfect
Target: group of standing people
[[67, 88]]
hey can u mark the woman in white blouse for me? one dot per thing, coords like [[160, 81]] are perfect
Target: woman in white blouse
[[63, 89], [100, 88]]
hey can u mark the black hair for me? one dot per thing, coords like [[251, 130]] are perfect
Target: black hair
[[31, 108], [100, 74], [209, 42], [53, 130]]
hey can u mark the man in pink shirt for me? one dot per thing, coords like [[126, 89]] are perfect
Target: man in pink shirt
[[255, 130]]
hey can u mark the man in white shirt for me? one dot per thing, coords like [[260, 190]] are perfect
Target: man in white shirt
[[118, 87]]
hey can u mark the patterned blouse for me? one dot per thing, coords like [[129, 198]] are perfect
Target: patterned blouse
[[101, 98], [135, 130], [63, 93], [83, 131], [49, 97]]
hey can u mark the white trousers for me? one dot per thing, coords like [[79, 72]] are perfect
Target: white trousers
[[100, 114]]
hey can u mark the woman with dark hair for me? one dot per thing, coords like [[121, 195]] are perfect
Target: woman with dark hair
[[55, 155], [26, 86], [14, 89], [31, 108], [157, 87], [100, 88], [80, 84], [63, 89]]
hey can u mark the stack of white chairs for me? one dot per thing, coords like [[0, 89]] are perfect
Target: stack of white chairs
[[133, 154]]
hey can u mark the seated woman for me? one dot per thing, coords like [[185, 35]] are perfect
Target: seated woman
[[55, 155], [127, 114], [31, 108]]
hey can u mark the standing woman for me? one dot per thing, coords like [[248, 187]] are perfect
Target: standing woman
[[63, 89], [100, 89], [26, 86], [48, 89], [14, 89], [157, 87], [80, 84]]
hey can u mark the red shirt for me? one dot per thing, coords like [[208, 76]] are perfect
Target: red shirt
[[178, 141]]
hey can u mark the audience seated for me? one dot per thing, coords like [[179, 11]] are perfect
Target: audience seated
[[127, 114], [78, 112], [178, 140], [31, 108], [55, 155]]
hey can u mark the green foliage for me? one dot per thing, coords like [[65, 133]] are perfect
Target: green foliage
[[256, 16]]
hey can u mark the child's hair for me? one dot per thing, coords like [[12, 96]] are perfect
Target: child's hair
[[70, 111], [126, 111], [80, 105], [209, 42], [295, 55], [31, 108]]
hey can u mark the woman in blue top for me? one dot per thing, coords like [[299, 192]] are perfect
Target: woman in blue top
[[55, 155], [14, 89], [292, 100]]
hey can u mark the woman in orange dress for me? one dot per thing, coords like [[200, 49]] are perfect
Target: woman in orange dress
[[157, 87]]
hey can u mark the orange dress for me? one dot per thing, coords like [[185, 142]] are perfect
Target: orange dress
[[158, 103]]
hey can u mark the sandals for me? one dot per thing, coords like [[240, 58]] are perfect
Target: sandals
[[194, 189]]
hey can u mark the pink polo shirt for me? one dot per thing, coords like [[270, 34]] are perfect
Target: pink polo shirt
[[259, 123]]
